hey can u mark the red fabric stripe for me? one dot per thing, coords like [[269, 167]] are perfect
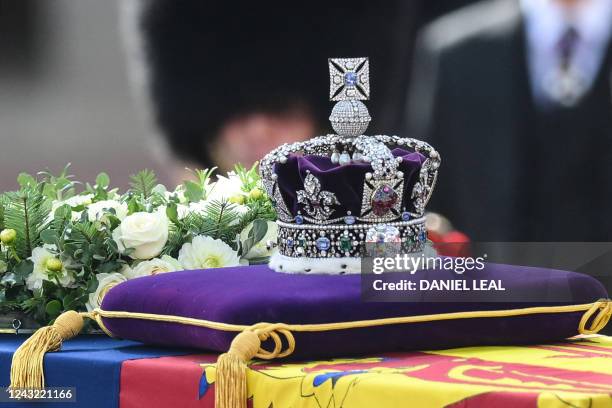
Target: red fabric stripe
[[164, 382]]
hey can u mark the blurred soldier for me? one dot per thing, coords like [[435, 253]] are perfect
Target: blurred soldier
[[516, 97]]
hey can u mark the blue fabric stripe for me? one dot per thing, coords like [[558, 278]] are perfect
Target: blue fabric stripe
[[90, 363]]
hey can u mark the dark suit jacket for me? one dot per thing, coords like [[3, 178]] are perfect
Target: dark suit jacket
[[471, 98]]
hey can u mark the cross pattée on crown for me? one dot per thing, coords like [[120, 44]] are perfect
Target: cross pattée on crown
[[349, 79]]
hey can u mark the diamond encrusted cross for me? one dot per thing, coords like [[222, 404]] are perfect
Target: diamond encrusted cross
[[349, 78]]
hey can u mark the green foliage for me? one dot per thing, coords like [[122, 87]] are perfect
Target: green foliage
[[89, 247], [143, 183], [3, 203], [256, 234], [249, 177], [100, 190], [26, 212], [60, 187], [218, 221], [196, 191], [86, 247]]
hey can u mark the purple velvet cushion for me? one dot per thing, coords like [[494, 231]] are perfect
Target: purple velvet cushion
[[252, 294]]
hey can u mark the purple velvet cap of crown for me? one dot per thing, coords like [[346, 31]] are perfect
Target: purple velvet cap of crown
[[345, 181]]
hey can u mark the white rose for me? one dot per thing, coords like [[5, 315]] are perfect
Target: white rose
[[205, 252], [225, 187], [96, 211], [146, 233], [106, 281], [40, 273], [154, 266], [260, 249]]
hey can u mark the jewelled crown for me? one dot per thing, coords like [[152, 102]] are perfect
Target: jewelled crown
[[336, 193]]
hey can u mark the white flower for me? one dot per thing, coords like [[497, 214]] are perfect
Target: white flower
[[260, 249], [75, 201], [40, 273], [184, 210], [154, 266], [146, 233], [106, 281], [225, 187], [78, 200], [204, 252], [96, 211]]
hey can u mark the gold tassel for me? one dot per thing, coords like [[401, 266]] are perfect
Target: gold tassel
[[27, 366], [230, 382]]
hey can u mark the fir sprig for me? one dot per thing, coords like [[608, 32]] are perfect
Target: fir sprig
[[143, 183], [26, 212]]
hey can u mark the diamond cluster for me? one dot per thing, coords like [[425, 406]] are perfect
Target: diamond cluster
[[349, 241], [350, 118]]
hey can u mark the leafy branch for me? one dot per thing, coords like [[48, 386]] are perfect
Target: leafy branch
[[143, 183], [26, 212]]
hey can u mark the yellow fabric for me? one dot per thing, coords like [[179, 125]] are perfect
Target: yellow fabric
[[576, 373]]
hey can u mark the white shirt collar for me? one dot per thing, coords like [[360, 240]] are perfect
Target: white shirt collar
[[547, 20]]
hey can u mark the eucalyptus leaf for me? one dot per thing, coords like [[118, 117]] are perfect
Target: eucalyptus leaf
[[22, 270], [172, 212], [257, 233], [193, 191], [53, 308], [102, 180], [26, 180], [92, 284], [49, 236]]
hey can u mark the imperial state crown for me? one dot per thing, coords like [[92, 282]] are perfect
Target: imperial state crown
[[334, 194]]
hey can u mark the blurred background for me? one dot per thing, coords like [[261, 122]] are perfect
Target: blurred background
[[71, 75], [515, 94], [65, 93]]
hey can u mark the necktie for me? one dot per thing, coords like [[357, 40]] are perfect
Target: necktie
[[566, 47], [565, 85]]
